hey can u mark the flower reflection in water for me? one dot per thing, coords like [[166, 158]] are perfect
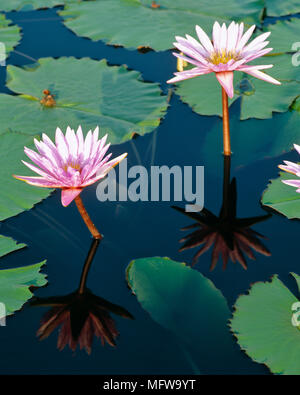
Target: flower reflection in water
[[81, 315], [231, 237]]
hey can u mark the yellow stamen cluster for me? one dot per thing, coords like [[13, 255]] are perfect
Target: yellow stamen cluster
[[223, 56], [75, 166]]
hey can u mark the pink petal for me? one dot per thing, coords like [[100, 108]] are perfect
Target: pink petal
[[243, 41], [226, 80], [254, 55], [256, 41], [37, 181], [290, 167], [184, 75], [293, 183], [232, 35], [194, 46], [80, 140], [49, 152], [297, 148], [61, 145], [216, 35], [240, 33], [223, 38], [204, 39], [189, 60], [189, 51], [38, 170], [40, 161], [68, 195], [72, 143], [104, 170], [87, 145], [198, 47], [262, 76]]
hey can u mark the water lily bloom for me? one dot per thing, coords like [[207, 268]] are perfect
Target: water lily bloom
[[293, 168], [228, 51], [71, 164]]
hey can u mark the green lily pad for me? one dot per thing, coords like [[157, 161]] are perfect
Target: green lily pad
[[136, 24], [284, 34], [187, 304], [263, 327], [282, 7], [8, 245], [112, 97], [15, 286], [281, 197], [10, 36], [29, 4], [251, 140], [261, 98], [16, 196]]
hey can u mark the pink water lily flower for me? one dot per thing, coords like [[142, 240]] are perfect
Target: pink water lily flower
[[294, 168], [228, 51], [72, 163]]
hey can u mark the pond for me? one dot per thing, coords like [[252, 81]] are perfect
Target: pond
[[178, 339]]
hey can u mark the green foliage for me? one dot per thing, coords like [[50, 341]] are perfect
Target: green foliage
[[136, 24], [188, 305], [263, 327], [10, 34], [8, 245], [112, 97], [281, 197], [16, 196]]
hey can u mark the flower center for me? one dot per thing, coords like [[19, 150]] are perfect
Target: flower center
[[223, 56], [73, 165]]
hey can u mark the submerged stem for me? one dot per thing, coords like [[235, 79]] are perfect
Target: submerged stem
[[87, 220], [226, 185], [226, 130], [87, 265]]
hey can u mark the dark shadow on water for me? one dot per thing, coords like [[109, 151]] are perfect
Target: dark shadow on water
[[81, 314], [231, 237]]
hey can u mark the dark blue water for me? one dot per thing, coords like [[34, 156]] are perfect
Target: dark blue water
[[132, 230]]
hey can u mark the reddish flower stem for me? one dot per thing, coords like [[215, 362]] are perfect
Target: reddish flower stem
[[226, 130], [86, 218]]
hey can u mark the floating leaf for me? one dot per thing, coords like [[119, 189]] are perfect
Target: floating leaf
[[284, 34], [282, 7], [8, 245], [15, 285], [112, 97], [135, 23], [259, 98], [29, 4], [9, 35], [186, 303], [252, 140], [262, 324], [16, 196], [281, 197]]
